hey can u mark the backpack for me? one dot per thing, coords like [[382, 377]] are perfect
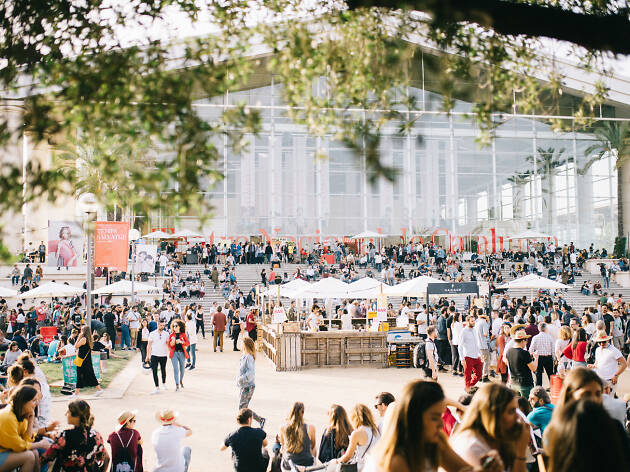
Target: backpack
[[123, 459], [589, 356], [420, 355]]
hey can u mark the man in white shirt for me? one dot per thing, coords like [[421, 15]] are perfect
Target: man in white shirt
[[431, 353], [157, 353], [609, 362], [134, 324], [170, 455], [470, 354], [163, 260], [483, 337], [421, 322]]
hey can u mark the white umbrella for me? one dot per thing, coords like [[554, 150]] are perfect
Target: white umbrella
[[368, 234], [123, 287], [367, 287], [325, 288], [412, 288], [287, 290], [7, 292], [52, 289], [186, 233], [158, 235], [534, 281]]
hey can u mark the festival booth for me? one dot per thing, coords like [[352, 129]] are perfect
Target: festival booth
[[52, 290], [533, 282]]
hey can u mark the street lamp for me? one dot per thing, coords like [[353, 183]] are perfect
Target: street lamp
[[134, 235], [87, 204]]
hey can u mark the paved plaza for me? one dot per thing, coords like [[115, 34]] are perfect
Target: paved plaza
[[208, 404]]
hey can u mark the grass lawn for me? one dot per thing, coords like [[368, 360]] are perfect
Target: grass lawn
[[54, 373]]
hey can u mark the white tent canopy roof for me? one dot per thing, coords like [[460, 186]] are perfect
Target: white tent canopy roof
[[7, 292], [533, 281], [123, 287], [158, 235], [531, 234], [287, 290], [325, 288], [52, 289], [367, 287], [412, 288], [186, 233], [368, 234]]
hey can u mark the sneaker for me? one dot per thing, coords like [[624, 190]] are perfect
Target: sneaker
[[155, 391], [164, 387], [181, 384], [98, 393], [177, 388], [192, 367], [262, 423]]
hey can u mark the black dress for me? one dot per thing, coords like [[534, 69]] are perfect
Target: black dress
[[85, 373]]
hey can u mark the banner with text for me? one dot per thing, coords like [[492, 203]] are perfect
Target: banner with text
[[111, 245]]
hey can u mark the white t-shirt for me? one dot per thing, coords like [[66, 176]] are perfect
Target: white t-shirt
[[346, 321], [134, 320], [422, 328], [191, 331], [470, 447], [430, 350], [158, 343], [606, 361], [70, 350], [456, 332], [166, 443]]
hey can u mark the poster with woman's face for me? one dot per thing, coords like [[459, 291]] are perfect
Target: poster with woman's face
[[146, 255], [66, 241]]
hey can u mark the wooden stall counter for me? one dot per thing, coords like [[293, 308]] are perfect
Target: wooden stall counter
[[290, 349]]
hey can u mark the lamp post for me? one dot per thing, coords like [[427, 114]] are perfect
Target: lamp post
[[87, 204], [134, 235]]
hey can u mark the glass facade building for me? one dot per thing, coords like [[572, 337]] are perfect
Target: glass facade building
[[530, 177]]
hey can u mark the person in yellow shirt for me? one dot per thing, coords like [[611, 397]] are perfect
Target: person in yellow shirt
[[17, 449]]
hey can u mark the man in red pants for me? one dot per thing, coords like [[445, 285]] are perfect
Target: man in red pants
[[470, 353]]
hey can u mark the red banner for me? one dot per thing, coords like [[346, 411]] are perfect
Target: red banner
[[111, 245]]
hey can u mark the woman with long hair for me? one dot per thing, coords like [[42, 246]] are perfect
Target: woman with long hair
[[336, 437], [581, 383], [577, 349], [85, 371], [177, 344], [246, 380], [491, 422], [143, 339], [17, 451], [364, 436], [66, 254], [582, 437], [564, 339], [297, 439], [413, 437], [502, 340], [80, 448]]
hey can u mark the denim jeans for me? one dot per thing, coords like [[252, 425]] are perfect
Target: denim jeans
[[192, 352], [125, 336], [186, 451], [179, 362]]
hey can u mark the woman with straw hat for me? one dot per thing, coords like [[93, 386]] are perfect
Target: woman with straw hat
[[126, 444]]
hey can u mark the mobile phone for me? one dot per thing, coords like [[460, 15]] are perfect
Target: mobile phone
[[487, 462]]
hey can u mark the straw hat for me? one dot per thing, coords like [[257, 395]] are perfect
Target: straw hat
[[601, 336], [515, 328], [520, 335], [166, 416], [125, 417]]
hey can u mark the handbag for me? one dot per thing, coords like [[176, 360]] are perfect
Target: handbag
[[78, 361]]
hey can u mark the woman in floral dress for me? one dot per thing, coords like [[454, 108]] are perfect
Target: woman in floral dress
[[78, 449]]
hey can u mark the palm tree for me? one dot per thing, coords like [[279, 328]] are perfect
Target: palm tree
[[613, 138], [518, 181], [547, 161]]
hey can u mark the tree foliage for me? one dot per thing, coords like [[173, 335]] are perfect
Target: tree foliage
[[346, 70]]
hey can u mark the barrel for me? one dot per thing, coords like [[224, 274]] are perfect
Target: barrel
[[556, 386]]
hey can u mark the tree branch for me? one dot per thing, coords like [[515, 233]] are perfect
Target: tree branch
[[594, 32]]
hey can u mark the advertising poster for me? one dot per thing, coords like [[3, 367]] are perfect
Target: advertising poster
[[111, 245], [146, 255], [66, 240], [70, 370]]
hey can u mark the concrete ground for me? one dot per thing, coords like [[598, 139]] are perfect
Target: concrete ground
[[209, 402]]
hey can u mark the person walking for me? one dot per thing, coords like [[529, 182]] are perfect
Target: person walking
[[199, 322], [143, 340], [83, 361], [251, 324], [521, 364], [157, 352], [177, 344], [236, 328], [191, 333], [170, 455], [219, 321], [470, 354], [246, 380], [482, 330], [543, 345]]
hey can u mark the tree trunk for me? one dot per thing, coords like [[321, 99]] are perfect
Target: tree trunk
[[623, 198]]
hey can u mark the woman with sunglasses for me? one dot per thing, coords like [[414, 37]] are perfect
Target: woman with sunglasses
[[126, 443]]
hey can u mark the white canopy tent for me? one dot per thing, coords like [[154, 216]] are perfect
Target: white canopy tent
[[7, 292], [534, 281], [412, 288], [52, 289], [123, 287], [368, 234], [325, 288], [158, 235], [286, 290], [367, 287], [186, 233]]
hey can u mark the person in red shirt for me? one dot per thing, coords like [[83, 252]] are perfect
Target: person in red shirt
[[577, 349], [219, 321], [41, 312], [250, 324]]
